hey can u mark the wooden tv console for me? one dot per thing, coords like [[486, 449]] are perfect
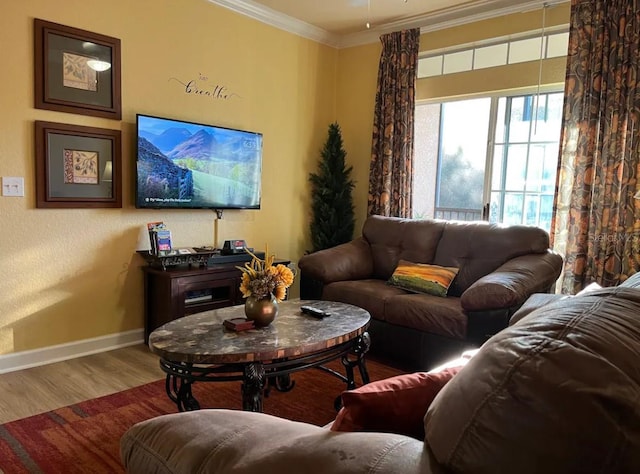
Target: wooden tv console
[[178, 291]]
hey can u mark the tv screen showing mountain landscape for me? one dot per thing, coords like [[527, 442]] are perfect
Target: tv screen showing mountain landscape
[[189, 165]]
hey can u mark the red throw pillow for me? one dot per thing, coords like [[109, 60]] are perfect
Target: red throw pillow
[[393, 405]]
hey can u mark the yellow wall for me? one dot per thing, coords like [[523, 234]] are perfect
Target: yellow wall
[[72, 274], [358, 70], [357, 80]]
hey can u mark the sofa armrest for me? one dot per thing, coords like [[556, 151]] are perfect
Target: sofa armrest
[[247, 443], [513, 282], [350, 261]]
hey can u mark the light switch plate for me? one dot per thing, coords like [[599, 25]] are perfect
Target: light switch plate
[[13, 186]]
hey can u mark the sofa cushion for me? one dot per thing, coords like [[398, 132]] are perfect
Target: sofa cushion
[[423, 278], [478, 248], [427, 313], [348, 261], [393, 405], [392, 239], [367, 294], [556, 392]]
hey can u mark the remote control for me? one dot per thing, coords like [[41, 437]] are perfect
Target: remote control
[[315, 312]]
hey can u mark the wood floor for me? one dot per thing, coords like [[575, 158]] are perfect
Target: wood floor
[[29, 392]]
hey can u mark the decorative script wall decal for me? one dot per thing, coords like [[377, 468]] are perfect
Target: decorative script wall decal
[[201, 86]]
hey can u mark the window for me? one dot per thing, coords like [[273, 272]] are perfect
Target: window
[[491, 157], [494, 52]]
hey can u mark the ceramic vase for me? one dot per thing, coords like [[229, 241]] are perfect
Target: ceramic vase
[[262, 311]]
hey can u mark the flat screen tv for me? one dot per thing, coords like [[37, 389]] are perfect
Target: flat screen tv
[[186, 165]]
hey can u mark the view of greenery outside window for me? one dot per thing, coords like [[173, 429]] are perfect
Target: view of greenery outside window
[[496, 159]]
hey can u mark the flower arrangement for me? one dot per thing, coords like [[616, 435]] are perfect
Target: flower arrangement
[[260, 278]]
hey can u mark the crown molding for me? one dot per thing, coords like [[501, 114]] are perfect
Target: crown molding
[[279, 20], [446, 18]]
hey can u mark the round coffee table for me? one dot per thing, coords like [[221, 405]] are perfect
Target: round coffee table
[[198, 348]]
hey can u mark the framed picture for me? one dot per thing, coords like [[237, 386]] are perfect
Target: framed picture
[[77, 166], [76, 71]]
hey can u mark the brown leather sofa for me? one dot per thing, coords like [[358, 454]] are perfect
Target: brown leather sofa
[[499, 267], [556, 393]]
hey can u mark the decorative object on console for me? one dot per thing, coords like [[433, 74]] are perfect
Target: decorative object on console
[[160, 238], [423, 278], [76, 71], [72, 162], [176, 257], [231, 247], [151, 226], [264, 285]]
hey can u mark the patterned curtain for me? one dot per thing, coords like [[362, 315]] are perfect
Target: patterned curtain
[[391, 170], [596, 218]]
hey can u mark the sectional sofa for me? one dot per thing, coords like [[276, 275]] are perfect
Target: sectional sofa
[[555, 392]]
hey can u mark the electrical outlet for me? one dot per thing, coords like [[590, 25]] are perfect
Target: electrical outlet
[[13, 186]]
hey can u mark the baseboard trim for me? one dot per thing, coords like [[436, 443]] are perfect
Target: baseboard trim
[[71, 350]]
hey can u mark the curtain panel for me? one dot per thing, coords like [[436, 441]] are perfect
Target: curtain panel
[[391, 169], [595, 222]]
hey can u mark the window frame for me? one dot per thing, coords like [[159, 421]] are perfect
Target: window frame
[[491, 143]]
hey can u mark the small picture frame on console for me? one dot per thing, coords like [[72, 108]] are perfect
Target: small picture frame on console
[[77, 166], [76, 71]]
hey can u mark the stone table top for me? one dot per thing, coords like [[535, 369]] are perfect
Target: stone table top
[[202, 339]]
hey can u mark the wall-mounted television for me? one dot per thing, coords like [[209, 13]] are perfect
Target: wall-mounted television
[[186, 165]]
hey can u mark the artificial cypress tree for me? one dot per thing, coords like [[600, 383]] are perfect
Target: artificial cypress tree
[[332, 220]]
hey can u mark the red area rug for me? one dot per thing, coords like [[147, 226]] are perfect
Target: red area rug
[[85, 437]]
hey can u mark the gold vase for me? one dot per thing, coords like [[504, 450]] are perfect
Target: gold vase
[[262, 311]]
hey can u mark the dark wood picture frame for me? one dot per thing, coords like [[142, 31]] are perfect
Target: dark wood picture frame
[[77, 166], [66, 79]]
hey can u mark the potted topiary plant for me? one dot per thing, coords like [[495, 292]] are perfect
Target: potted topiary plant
[[332, 220]]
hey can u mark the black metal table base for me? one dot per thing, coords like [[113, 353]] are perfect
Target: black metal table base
[[258, 378]]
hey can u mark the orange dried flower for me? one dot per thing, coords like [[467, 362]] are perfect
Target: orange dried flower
[[260, 278]]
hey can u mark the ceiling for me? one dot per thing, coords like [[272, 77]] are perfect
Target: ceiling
[[343, 23], [343, 17]]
